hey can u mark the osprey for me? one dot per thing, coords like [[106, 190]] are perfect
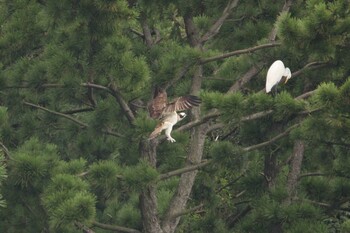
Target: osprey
[[159, 108]]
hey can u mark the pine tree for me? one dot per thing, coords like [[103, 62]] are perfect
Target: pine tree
[[76, 77]]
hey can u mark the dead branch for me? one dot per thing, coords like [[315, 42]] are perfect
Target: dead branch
[[82, 124], [6, 151], [272, 140], [312, 174], [114, 228], [188, 211], [252, 72], [214, 29], [82, 227], [310, 66], [122, 103], [239, 52], [58, 114], [184, 170]]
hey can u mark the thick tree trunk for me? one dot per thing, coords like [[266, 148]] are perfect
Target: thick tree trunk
[[148, 197], [295, 168], [179, 201], [270, 170]]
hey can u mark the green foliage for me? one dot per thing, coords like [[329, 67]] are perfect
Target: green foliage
[[140, 175], [285, 106], [327, 94], [67, 200], [75, 157]]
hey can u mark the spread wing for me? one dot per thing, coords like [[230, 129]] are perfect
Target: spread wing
[[182, 103], [156, 131], [158, 103]]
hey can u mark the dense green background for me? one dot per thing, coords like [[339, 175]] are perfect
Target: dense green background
[[76, 75]]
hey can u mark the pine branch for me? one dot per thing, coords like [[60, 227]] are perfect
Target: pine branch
[[312, 174], [184, 170], [180, 74], [115, 228], [254, 70], [146, 31], [82, 124], [58, 114], [310, 66], [272, 140], [122, 103], [78, 110], [214, 29], [239, 52]]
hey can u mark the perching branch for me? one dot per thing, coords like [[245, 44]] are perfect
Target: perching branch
[[214, 29], [115, 228], [239, 52]]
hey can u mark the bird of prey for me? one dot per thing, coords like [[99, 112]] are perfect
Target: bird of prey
[[166, 112], [277, 73]]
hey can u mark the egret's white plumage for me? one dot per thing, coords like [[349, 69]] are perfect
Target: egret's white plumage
[[275, 74]]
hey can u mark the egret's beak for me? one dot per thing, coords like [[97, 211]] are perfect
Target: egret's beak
[[286, 81]]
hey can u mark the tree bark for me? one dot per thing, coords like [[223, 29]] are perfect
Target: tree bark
[[148, 197], [179, 200], [295, 168]]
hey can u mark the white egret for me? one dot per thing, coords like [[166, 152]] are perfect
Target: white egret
[[277, 73]]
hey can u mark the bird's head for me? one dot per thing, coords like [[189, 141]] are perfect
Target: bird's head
[[182, 115], [287, 74]]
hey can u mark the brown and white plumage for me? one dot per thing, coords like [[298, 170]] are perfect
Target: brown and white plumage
[[159, 108]]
